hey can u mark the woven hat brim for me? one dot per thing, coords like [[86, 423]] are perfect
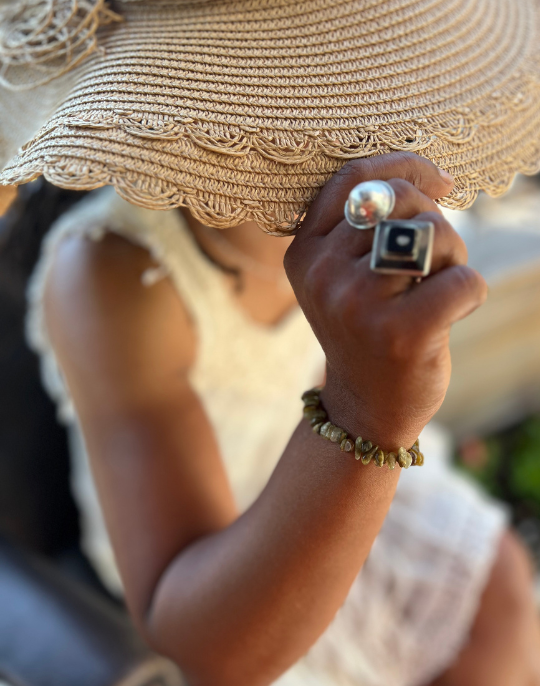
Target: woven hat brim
[[182, 105]]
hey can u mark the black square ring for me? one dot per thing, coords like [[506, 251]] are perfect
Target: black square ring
[[403, 247]]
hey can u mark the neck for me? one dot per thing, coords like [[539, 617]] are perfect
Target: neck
[[263, 290], [247, 238]]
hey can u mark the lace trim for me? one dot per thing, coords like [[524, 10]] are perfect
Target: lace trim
[[483, 147], [43, 39]]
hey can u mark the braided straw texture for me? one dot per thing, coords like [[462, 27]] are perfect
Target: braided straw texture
[[243, 109], [43, 39]]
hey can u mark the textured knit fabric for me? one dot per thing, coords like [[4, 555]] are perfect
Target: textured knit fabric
[[410, 610], [243, 109]]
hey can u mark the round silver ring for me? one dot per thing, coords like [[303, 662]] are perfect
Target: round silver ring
[[369, 204]]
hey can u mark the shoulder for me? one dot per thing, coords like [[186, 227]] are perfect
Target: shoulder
[[95, 301], [110, 261]]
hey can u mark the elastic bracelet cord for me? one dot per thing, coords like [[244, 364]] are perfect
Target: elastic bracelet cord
[[364, 451]]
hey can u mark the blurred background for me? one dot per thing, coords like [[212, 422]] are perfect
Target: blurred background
[[491, 413], [59, 625], [492, 408]]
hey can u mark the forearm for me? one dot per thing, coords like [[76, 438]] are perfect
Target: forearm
[[239, 598], [248, 601]]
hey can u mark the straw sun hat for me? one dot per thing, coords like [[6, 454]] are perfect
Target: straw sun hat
[[242, 109]]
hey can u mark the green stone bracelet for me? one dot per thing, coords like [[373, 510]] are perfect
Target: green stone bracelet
[[363, 450]]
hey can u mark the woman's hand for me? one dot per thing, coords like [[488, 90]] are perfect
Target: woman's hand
[[385, 337]]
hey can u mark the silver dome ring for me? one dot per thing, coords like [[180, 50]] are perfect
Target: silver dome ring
[[369, 204]]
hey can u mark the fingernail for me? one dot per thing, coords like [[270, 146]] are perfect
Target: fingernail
[[445, 176]]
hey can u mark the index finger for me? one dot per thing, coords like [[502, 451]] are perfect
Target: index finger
[[327, 209]]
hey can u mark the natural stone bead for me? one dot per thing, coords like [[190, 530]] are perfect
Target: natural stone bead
[[358, 448], [312, 397], [336, 435], [314, 412], [319, 416], [404, 459], [347, 446], [366, 446], [379, 458], [391, 460], [420, 460], [317, 427], [414, 456], [367, 457], [319, 419], [325, 428]]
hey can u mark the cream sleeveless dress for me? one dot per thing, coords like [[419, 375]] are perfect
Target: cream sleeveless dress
[[410, 610]]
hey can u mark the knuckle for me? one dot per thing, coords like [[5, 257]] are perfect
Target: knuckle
[[349, 304], [402, 189], [413, 201], [368, 168], [413, 167], [293, 263], [441, 224], [454, 244], [459, 248], [391, 337], [471, 283], [422, 174], [355, 171], [290, 261]]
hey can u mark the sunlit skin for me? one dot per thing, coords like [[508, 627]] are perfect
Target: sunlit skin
[[236, 600], [264, 301]]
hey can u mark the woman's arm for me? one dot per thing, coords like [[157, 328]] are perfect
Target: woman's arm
[[237, 600]]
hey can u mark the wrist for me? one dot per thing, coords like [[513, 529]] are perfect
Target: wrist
[[354, 412]]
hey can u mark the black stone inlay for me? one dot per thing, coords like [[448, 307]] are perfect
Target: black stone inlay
[[401, 240]]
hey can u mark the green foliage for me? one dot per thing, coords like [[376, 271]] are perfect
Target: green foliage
[[524, 476], [511, 468]]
